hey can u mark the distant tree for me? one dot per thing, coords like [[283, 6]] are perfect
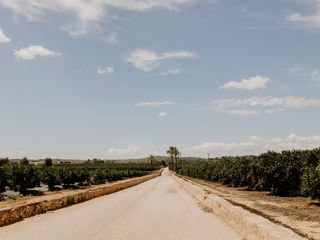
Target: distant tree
[[82, 176], [48, 162], [152, 159], [3, 180], [51, 177], [171, 155], [4, 161], [97, 161], [98, 176], [310, 186], [174, 154], [67, 176], [163, 163], [24, 161], [25, 177]]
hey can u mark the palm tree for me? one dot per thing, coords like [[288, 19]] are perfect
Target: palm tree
[[174, 154]]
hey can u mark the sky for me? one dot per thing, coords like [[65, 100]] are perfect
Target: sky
[[114, 79]]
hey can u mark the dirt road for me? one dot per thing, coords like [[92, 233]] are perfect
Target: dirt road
[[155, 210]]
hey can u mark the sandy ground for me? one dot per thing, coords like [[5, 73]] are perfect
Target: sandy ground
[[156, 209], [300, 214]]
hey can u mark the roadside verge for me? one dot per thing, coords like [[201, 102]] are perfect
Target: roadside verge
[[250, 225], [17, 213]]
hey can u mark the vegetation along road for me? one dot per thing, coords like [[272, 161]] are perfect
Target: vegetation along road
[[156, 209]]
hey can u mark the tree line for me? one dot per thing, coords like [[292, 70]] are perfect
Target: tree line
[[23, 177], [288, 173]]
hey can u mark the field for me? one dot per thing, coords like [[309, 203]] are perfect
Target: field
[[289, 173]]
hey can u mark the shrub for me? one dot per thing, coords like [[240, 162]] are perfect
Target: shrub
[[3, 180], [4, 161], [286, 173], [48, 162], [24, 177], [67, 176], [51, 177], [311, 182], [98, 176]]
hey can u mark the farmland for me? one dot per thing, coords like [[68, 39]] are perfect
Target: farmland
[[289, 173]]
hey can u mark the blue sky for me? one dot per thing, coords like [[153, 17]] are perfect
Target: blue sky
[[128, 78]]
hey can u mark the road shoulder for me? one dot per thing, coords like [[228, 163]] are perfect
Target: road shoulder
[[249, 223]]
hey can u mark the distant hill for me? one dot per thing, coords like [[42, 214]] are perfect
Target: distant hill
[[131, 160]]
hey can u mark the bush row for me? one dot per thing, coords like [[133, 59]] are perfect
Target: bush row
[[23, 177], [293, 172]]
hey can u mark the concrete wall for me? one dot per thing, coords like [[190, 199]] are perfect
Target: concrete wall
[[251, 226], [18, 213]]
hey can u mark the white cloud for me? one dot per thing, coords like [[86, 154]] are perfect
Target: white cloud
[[250, 112], [112, 38], [155, 104], [312, 20], [251, 83], [315, 75], [147, 60], [84, 13], [34, 51], [241, 112], [285, 102], [103, 70], [170, 71], [258, 105], [130, 151], [274, 110], [220, 149], [13, 155], [255, 145], [3, 37], [163, 114]]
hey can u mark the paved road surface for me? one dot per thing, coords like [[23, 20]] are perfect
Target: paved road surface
[[155, 210]]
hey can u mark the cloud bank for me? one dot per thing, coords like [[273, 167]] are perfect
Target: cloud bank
[[85, 13], [312, 20], [268, 105], [130, 151], [255, 145]]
